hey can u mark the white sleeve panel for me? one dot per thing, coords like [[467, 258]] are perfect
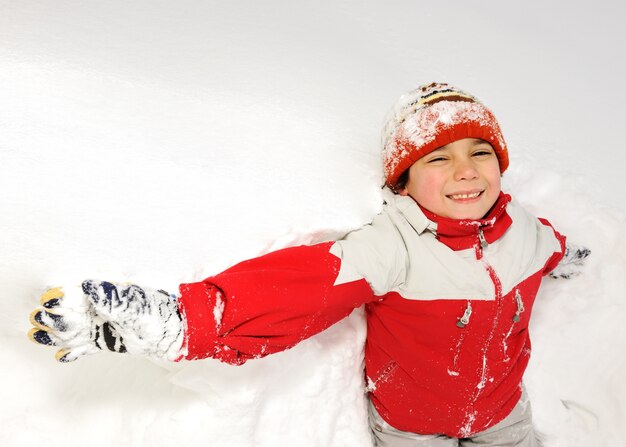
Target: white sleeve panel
[[524, 250], [376, 253]]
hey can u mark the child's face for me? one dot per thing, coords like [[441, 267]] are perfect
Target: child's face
[[460, 180]]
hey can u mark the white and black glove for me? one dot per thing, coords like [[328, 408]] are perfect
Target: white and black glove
[[70, 323], [572, 262], [122, 318]]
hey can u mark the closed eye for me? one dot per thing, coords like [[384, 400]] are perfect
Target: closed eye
[[482, 152]]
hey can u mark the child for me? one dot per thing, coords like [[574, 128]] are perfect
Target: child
[[448, 273]]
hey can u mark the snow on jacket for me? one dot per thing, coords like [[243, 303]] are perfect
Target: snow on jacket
[[447, 302]]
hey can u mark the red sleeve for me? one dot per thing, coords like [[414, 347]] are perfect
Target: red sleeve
[[557, 256], [267, 304]]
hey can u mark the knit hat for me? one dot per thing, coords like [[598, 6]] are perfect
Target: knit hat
[[432, 116]]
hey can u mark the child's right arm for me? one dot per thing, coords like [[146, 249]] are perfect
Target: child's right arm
[[255, 308]]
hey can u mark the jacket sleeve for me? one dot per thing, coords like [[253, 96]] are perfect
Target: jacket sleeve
[[267, 304], [557, 257]]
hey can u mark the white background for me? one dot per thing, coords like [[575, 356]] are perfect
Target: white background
[[161, 142]]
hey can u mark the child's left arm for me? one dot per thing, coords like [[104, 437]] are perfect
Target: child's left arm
[[572, 262]]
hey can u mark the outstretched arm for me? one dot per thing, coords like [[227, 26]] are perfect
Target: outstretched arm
[[255, 308]]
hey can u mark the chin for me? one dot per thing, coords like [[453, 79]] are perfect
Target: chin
[[468, 215]]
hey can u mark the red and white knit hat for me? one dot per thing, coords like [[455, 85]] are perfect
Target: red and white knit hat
[[432, 116]]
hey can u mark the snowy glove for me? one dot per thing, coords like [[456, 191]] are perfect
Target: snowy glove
[[72, 325], [147, 320], [572, 262], [121, 318]]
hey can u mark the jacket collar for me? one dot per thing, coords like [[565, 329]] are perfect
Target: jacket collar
[[460, 234], [457, 234]]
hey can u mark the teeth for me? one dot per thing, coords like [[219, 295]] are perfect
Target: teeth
[[464, 196]]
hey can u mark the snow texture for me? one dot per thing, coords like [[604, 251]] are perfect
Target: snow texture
[[159, 142]]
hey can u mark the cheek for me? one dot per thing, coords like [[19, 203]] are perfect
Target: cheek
[[494, 179], [427, 188]]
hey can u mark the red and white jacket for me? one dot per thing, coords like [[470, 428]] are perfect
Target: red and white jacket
[[447, 302]]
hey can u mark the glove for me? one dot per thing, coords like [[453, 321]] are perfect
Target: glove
[[572, 262], [72, 325], [120, 318], [148, 321]]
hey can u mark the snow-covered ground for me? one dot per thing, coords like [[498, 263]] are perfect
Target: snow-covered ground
[[162, 141]]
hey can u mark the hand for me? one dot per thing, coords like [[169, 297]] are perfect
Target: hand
[[104, 315], [71, 324], [147, 321], [572, 263]]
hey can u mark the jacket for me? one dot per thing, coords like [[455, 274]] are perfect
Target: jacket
[[447, 302]]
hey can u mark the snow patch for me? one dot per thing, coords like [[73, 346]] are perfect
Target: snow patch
[[218, 310]]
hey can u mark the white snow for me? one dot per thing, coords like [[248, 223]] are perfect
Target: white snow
[[161, 142], [218, 310]]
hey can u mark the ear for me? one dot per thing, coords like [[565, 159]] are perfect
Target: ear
[[403, 192]]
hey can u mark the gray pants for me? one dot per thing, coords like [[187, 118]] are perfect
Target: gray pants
[[516, 430]]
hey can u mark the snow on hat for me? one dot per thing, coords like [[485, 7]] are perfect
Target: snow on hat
[[432, 116]]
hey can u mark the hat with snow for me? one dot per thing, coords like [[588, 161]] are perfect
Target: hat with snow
[[432, 116]]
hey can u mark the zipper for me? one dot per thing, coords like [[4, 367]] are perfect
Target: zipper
[[481, 238], [482, 244]]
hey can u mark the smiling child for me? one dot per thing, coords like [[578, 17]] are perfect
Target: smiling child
[[448, 273]]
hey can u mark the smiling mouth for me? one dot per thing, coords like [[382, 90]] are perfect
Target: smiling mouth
[[465, 196]]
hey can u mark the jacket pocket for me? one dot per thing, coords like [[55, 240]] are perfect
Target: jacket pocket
[[382, 376]]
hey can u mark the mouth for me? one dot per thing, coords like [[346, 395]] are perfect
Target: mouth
[[465, 196]]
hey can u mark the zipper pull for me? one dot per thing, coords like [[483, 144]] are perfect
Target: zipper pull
[[464, 320], [481, 238], [520, 306]]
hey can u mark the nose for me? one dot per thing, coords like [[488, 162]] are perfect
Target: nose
[[464, 169]]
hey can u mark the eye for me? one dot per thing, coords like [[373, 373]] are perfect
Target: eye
[[482, 152], [436, 159]]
